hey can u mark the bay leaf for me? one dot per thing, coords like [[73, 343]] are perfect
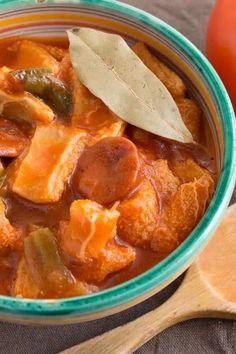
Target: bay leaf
[[107, 66]]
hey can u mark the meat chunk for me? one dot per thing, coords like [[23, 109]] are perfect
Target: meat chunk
[[167, 76], [188, 171], [9, 237], [89, 239], [108, 170], [56, 52], [90, 112], [12, 140], [30, 54], [181, 215], [49, 162], [139, 215], [166, 184], [191, 115], [111, 259], [90, 228]]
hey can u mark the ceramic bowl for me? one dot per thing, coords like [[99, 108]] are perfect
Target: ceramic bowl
[[52, 18]]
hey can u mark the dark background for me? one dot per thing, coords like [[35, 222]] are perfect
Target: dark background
[[196, 336]]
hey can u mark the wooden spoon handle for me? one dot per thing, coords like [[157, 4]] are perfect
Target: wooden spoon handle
[[192, 299], [127, 338]]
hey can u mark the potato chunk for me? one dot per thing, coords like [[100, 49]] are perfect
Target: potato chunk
[[9, 238], [191, 115], [139, 215], [167, 76], [49, 162], [90, 228]]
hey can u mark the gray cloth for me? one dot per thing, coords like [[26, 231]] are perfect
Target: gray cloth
[[196, 336]]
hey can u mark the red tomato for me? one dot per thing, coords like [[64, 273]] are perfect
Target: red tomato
[[221, 43]]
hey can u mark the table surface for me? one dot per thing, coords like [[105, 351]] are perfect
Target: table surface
[[195, 336]]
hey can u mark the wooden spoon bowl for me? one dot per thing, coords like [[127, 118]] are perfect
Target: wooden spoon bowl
[[208, 290]]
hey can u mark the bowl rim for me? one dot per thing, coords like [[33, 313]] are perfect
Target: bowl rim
[[162, 272]]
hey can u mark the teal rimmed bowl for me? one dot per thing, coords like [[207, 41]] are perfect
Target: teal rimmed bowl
[[51, 18]]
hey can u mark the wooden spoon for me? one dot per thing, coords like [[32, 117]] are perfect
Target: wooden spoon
[[208, 290]]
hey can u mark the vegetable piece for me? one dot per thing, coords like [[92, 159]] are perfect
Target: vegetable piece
[[108, 170], [168, 77], [31, 55], [90, 228], [25, 287], [111, 259], [49, 162], [45, 265], [9, 237], [40, 83], [24, 107], [191, 115], [139, 215], [12, 140], [107, 66]]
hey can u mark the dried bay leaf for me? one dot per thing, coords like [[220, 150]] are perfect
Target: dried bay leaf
[[107, 66]]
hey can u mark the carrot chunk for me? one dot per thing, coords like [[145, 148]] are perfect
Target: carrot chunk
[[49, 162], [168, 77], [107, 171]]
